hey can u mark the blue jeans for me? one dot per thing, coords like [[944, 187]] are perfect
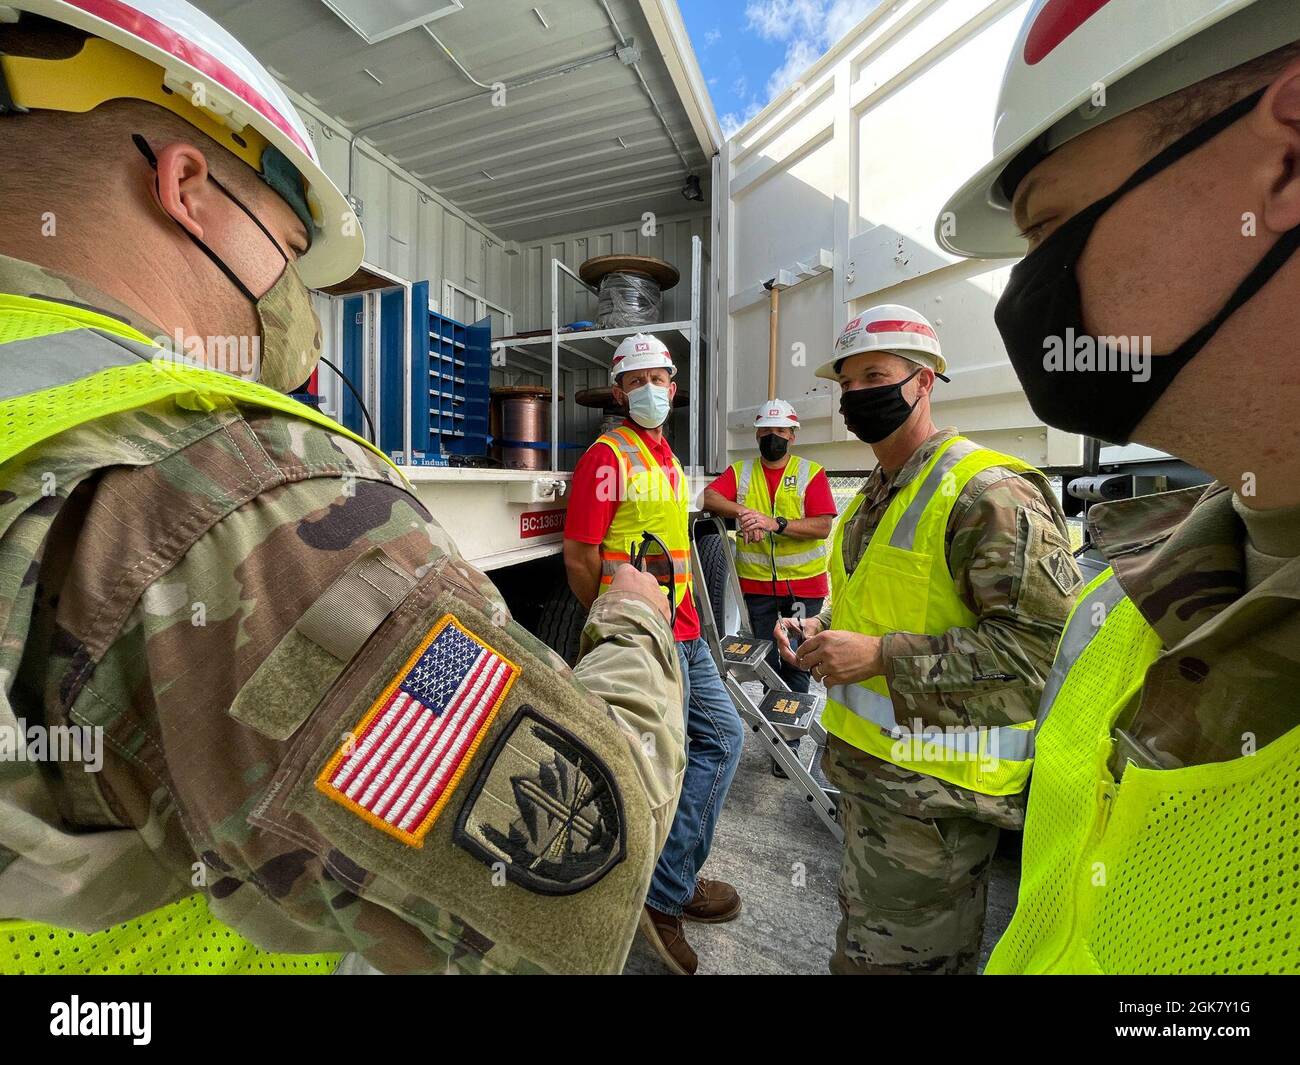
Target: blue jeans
[[714, 735], [763, 612]]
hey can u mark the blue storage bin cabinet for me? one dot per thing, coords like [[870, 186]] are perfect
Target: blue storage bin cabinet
[[451, 365]]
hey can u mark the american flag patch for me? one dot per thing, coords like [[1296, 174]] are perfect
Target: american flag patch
[[398, 767]]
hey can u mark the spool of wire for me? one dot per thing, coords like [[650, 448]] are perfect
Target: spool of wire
[[628, 299]]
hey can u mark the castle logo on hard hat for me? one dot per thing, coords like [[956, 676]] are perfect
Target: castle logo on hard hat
[[1054, 23], [546, 808], [400, 764]]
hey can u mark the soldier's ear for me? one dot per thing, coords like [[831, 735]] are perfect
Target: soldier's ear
[[1278, 121], [183, 187]]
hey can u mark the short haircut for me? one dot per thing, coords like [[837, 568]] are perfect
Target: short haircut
[[1181, 112]]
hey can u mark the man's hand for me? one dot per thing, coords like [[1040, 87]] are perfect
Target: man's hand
[[809, 627], [841, 657], [754, 526], [630, 579]]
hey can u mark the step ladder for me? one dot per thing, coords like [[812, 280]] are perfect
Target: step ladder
[[780, 714]]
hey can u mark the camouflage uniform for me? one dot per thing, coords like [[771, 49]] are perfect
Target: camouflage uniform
[[917, 850], [158, 568], [1217, 581]]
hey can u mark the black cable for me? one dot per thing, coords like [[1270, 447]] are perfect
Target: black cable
[[357, 395]]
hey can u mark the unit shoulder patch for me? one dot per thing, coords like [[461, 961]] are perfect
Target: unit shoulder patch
[[547, 807], [400, 764], [1060, 568]]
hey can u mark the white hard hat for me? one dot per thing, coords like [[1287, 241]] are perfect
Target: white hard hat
[[776, 414], [641, 351], [888, 327], [1078, 63], [171, 54]]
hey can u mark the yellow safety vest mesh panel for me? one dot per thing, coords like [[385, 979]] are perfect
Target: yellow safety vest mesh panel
[[795, 559], [649, 504], [902, 584], [104, 367], [180, 938], [1179, 871]]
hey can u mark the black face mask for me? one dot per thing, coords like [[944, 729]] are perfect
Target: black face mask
[[873, 413], [772, 447], [1040, 317]]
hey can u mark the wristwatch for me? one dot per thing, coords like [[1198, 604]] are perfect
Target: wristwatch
[[781, 523]]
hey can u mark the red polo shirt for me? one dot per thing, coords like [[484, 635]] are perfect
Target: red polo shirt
[[590, 514], [817, 500]]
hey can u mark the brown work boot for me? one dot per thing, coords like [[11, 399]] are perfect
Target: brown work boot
[[713, 902], [668, 938]]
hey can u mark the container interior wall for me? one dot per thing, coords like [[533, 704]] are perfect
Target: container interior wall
[[410, 230], [413, 233], [668, 239]]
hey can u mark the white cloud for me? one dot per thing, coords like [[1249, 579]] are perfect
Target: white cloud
[[733, 120], [808, 28], [800, 54], [711, 37], [778, 20]]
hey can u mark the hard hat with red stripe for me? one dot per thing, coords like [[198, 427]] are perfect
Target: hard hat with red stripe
[[641, 351], [1079, 63], [776, 414], [889, 327], [171, 54]]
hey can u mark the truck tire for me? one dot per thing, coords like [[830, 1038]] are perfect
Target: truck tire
[[713, 566], [560, 624]]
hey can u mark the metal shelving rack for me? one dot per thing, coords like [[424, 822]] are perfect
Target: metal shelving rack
[[596, 346]]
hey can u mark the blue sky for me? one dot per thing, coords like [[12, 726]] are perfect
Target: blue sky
[[750, 50]]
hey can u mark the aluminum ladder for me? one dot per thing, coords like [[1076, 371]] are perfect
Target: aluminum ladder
[[739, 653]]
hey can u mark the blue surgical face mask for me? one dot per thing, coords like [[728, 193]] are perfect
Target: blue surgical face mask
[[649, 405]]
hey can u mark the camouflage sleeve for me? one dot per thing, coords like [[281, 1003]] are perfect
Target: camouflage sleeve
[[1009, 554], [629, 659], [254, 664]]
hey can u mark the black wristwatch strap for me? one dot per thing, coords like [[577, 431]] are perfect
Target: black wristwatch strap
[[781, 523]]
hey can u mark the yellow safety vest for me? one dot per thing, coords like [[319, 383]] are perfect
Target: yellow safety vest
[[902, 584], [649, 504], [61, 367], [794, 559], [1180, 871]]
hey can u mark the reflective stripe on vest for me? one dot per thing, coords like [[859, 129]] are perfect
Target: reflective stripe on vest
[[61, 367], [1168, 871], [794, 558], [649, 504], [902, 584], [1086, 617], [970, 741]]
